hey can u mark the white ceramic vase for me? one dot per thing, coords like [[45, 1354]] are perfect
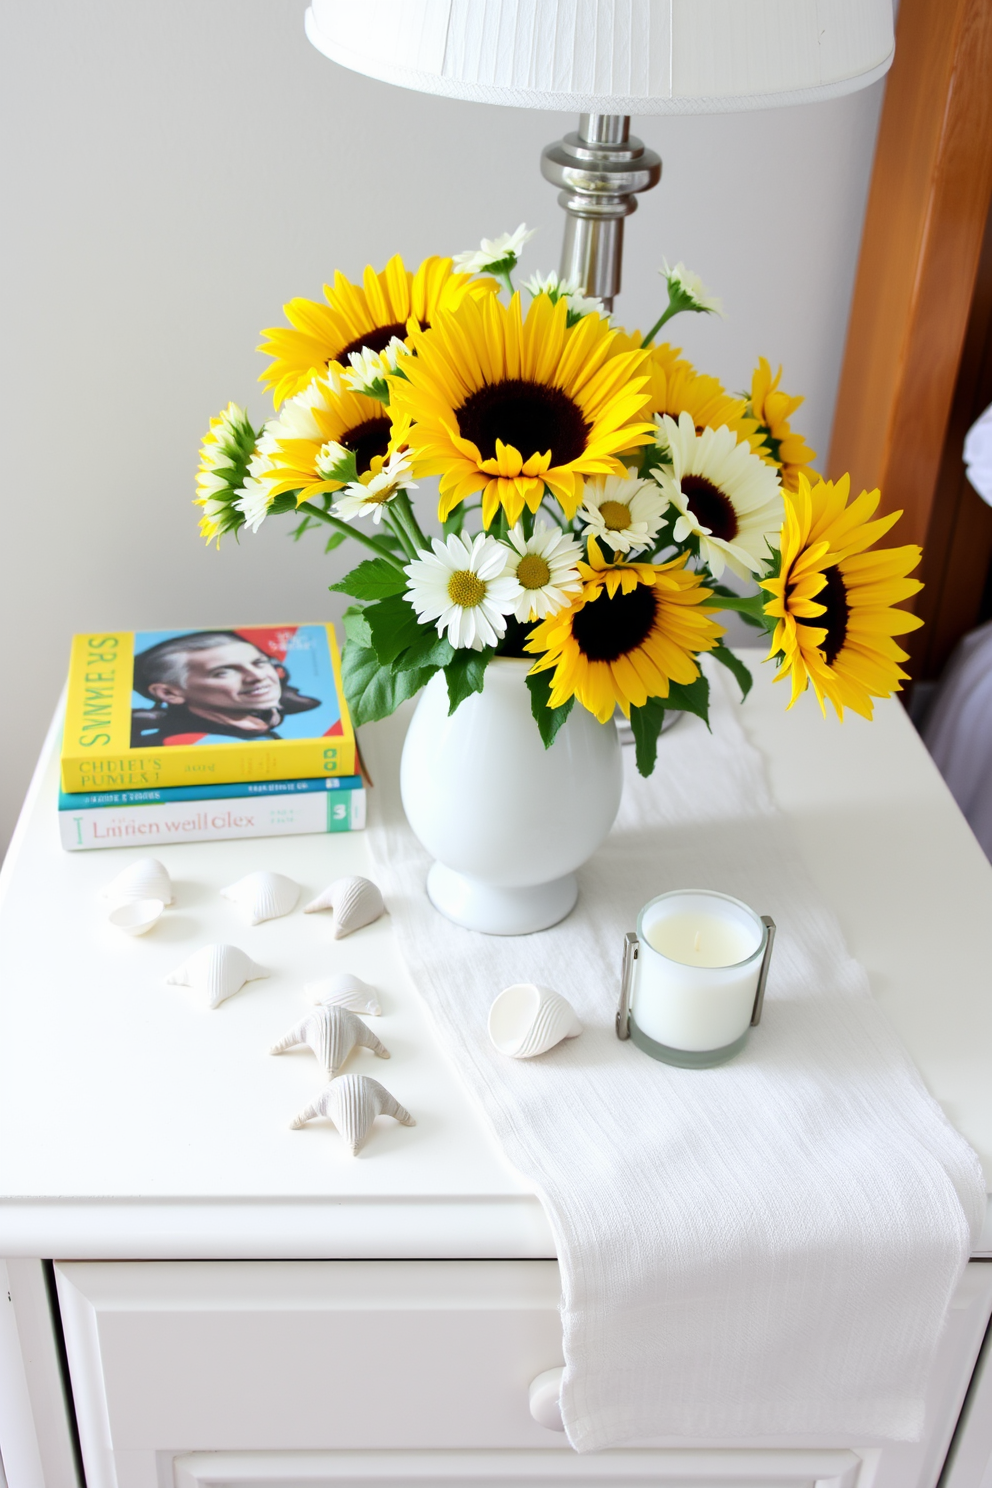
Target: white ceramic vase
[[507, 820]]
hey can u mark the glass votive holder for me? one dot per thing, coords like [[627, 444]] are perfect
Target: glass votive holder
[[694, 977]]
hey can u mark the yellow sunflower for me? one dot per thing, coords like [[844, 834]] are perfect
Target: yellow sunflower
[[507, 405], [676, 387], [360, 318], [316, 428], [633, 629], [772, 409], [833, 599]]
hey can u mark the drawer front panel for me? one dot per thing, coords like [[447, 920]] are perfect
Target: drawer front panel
[[300, 1354]]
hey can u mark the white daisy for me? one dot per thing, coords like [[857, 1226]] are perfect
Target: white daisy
[[369, 496], [544, 569], [463, 590], [369, 369], [255, 496], [687, 292], [726, 497], [568, 290], [334, 462], [493, 253], [624, 511]]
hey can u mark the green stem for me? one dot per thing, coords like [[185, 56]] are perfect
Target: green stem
[[504, 276], [672, 310], [403, 505], [349, 531], [392, 520]]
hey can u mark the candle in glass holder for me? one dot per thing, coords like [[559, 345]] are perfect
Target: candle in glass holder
[[695, 980]]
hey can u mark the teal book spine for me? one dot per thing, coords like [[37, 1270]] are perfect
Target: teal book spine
[[94, 800]]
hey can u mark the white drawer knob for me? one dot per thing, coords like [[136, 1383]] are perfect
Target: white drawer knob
[[545, 1399]]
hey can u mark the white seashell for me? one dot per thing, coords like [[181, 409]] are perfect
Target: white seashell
[[263, 896], [217, 970], [344, 990], [526, 1020], [353, 1102], [136, 916], [355, 902], [332, 1033], [144, 879]]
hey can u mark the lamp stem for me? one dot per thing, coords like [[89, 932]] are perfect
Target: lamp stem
[[600, 167]]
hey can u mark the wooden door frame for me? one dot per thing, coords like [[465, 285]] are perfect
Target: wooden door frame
[[928, 208]]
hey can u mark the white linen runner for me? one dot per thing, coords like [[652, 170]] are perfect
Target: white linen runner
[[763, 1249]]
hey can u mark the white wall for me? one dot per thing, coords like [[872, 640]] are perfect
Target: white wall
[[172, 172]]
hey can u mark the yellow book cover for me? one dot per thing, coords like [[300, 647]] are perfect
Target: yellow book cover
[[203, 707]]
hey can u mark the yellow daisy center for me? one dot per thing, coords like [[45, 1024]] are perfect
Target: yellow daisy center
[[834, 620], [615, 515], [606, 629], [466, 589], [710, 507], [533, 571], [530, 416]]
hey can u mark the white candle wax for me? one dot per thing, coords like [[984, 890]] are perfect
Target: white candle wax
[[697, 970]]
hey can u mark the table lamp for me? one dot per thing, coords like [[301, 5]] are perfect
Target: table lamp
[[608, 59]]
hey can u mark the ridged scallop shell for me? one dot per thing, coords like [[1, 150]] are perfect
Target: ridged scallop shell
[[353, 1102], [527, 1020], [144, 879], [136, 916], [332, 1033], [217, 970], [263, 896], [355, 902], [347, 991]]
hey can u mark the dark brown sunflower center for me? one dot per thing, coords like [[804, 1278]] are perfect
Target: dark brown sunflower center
[[606, 629], [375, 340], [834, 620], [366, 441], [710, 507], [530, 416]]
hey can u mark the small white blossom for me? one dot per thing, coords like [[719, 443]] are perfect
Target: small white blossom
[[624, 511], [334, 462], [686, 290], [369, 369], [255, 496], [568, 290], [370, 494], [544, 569], [501, 252], [463, 590]]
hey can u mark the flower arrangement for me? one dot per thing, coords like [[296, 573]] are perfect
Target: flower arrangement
[[594, 487]]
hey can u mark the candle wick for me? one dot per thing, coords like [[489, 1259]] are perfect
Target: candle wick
[[695, 943]]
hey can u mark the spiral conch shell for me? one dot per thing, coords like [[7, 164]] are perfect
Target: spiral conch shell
[[353, 1102], [332, 1033], [355, 902], [526, 1020], [347, 991], [263, 896], [146, 878], [217, 970]]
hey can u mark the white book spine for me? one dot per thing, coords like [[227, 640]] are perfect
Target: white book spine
[[213, 821]]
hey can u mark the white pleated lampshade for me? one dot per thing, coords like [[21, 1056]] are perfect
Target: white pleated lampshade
[[613, 56]]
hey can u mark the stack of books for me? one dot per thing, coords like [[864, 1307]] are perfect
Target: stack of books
[[196, 735]]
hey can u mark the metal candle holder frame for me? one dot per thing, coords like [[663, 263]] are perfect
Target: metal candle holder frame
[[631, 945]]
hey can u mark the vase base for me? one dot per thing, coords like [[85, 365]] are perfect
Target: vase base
[[496, 911]]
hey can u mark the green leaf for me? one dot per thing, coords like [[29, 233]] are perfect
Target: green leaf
[[286, 501], [372, 690], [691, 698], [334, 541], [431, 650], [549, 720], [356, 627], [726, 657], [645, 723], [394, 626], [373, 579], [466, 673], [750, 607]]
